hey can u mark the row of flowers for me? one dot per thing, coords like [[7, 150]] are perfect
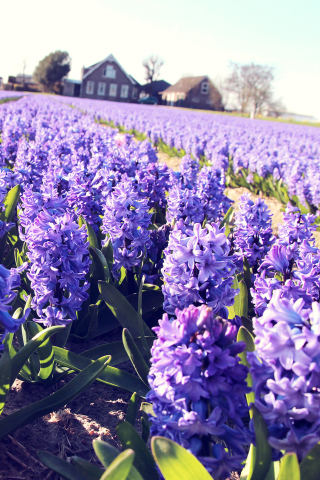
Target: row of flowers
[[88, 193]]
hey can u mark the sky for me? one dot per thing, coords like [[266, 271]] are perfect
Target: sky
[[192, 37]]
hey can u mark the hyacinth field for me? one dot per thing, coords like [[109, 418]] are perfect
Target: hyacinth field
[[150, 288]]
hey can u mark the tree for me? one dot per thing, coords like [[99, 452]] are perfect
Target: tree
[[252, 85], [52, 69], [152, 67]]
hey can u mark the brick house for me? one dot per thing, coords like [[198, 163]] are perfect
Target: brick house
[[193, 92], [107, 80]]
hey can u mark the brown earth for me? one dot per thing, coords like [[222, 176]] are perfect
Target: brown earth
[[68, 432]]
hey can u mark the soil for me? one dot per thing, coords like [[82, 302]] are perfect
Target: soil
[[70, 431]]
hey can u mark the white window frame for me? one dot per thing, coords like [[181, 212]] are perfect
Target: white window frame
[[113, 90], [109, 72], [134, 93], [124, 93], [101, 88], [205, 88], [90, 87]]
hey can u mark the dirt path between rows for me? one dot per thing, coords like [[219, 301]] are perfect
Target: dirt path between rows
[[234, 194]]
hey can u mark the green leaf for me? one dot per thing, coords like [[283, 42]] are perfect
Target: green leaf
[[132, 409], [152, 300], [143, 460], [135, 356], [25, 352], [175, 462], [289, 468], [246, 337], [5, 375], [122, 310], [17, 258], [247, 323], [60, 466], [107, 453], [120, 467], [142, 335], [10, 204], [116, 350], [145, 429], [55, 401], [110, 375], [261, 453], [100, 266], [227, 218], [147, 408], [87, 469], [241, 300], [92, 238], [107, 252], [45, 354], [61, 338], [246, 273], [310, 465]]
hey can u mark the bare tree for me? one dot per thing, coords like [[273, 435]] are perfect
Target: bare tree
[[24, 66], [152, 66], [252, 85]]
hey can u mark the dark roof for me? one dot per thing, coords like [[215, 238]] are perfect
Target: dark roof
[[156, 87], [185, 84]]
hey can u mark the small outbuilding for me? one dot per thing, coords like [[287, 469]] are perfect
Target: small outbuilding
[[71, 88], [193, 92], [154, 89]]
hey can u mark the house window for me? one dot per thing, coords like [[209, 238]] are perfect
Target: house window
[[195, 100], [204, 88], [134, 93], [113, 90], [101, 88], [109, 72], [124, 91], [89, 87]]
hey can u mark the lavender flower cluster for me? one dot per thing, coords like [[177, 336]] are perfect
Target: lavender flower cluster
[[197, 268], [291, 265], [126, 220], [286, 373], [9, 280], [253, 235], [198, 388]]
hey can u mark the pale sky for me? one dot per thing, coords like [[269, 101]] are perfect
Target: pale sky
[[196, 38]]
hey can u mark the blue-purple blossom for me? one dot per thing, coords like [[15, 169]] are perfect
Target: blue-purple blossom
[[253, 233], [198, 388], [286, 373], [292, 265], [185, 204], [9, 279], [125, 222], [197, 268], [59, 263], [210, 189]]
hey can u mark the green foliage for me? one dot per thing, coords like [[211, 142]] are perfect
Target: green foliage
[[9, 99], [175, 462], [52, 69]]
